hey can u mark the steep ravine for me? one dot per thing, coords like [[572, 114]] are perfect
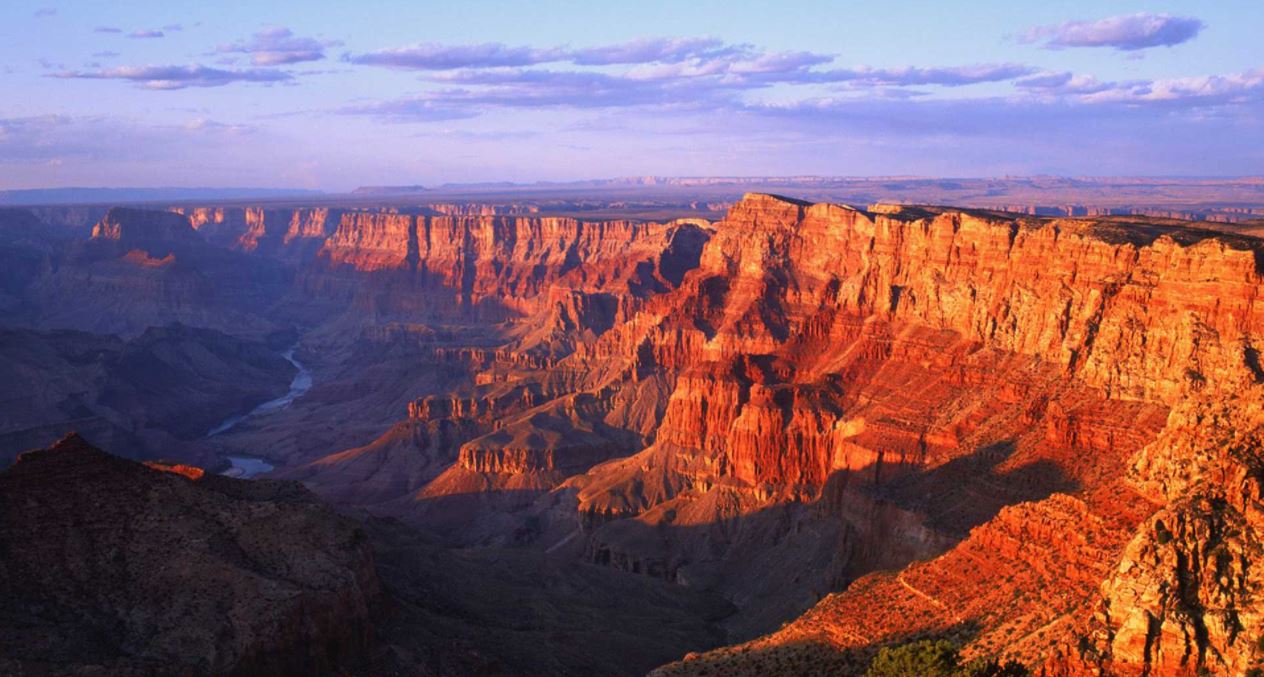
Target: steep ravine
[[832, 393], [249, 466]]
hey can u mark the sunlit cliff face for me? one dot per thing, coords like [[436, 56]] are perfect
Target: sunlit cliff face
[[1019, 433], [866, 388]]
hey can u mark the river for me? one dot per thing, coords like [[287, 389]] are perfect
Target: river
[[249, 466]]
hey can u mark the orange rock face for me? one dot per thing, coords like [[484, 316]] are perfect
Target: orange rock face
[[911, 421], [1041, 438], [1055, 347]]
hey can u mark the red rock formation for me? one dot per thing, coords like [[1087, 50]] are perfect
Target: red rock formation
[[949, 333], [907, 372], [1183, 598], [786, 402], [373, 241]]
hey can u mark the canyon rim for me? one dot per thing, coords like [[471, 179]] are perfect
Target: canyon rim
[[326, 348]]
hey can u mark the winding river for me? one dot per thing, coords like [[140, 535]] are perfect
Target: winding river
[[249, 466]]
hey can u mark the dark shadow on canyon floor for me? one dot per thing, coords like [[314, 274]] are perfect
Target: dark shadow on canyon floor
[[777, 560]]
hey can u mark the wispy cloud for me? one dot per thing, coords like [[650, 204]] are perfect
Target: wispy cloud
[[178, 77], [701, 53], [950, 76], [208, 125], [411, 109], [1199, 91], [141, 33], [434, 56], [1064, 82], [693, 74], [1128, 33], [278, 46], [467, 92], [1234, 89], [675, 72], [650, 50], [49, 138]]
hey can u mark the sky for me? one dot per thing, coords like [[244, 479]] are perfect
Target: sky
[[333, 95]]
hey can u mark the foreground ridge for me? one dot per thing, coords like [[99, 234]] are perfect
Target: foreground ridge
[[126, 569]]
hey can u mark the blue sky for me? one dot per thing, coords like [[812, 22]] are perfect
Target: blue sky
[[333, 95]]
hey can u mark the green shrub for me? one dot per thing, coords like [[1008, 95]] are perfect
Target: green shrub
[[937, 658], [926, 658]]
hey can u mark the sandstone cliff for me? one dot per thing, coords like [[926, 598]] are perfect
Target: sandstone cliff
[[1033, 435], [941, 339], [841, 391]]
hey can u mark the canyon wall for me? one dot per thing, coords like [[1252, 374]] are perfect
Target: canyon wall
[[666, 398], [891, 385], [1080, 336], [1034, 436]]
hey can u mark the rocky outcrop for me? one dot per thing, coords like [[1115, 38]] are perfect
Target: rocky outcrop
[[112, 567], [510, 264], [950, 421], [145, 230], [1079, 335], [1183, 598], [480, 209], [118, 568], [290, 234], [146, 268], [887, 380], [370, 242], [1011, 587]]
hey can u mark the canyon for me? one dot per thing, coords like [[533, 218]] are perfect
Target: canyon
[[772, 442]]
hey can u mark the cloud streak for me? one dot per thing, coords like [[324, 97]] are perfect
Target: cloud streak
[[684, 86], [729, 102], [438, 57], [690, 74], [1064, 83], [1200, 91], [703, 53], [951, 76], [279, 46], [1126, 33], [178, 77], [680, 73], [48, 138]]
